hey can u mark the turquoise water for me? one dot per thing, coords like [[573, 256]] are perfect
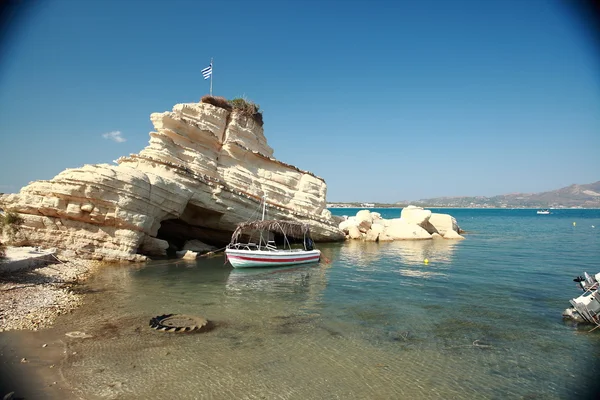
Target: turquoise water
[[481, 320]]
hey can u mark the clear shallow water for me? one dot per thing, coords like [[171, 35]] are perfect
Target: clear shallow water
[[482, 320]]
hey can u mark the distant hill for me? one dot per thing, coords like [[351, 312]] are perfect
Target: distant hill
[[584, 196]]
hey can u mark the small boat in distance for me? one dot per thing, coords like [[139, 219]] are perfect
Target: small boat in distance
[[259, 248], [545, 212]]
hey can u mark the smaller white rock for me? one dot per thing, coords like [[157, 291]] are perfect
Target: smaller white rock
[[452, 235], [187, 254]]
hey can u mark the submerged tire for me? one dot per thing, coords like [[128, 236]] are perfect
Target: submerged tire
[[179, 323]]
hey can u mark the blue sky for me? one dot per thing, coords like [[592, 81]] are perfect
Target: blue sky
[[386, 101]]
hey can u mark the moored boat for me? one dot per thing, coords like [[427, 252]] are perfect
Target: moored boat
[[586, 308], [255, 244], [246, 257]]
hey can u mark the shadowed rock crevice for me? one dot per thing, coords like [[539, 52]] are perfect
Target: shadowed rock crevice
[[177, 232]]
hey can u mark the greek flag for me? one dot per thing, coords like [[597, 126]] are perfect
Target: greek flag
[[207, 72]]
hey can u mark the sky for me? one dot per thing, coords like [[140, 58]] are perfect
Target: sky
[[386, 100]]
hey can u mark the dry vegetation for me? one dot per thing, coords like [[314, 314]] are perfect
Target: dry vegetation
[[217, 101], [241, 105], [9, 226]]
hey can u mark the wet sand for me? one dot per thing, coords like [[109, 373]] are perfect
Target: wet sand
[[30, 300], [30, 366]]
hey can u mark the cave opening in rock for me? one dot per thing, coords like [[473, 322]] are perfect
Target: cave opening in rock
[[194, 224]]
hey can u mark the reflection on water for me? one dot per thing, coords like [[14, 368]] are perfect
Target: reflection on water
[[418, 273], [367, 254], [359, 254], [408, 255], [415, 251], [268, 279], [306, 282]]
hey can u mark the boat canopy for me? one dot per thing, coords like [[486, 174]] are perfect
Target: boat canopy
[[292, 229]]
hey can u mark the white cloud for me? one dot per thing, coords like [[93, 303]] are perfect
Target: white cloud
[[114, 136]]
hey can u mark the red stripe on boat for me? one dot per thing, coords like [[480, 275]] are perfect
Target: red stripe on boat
[[230, 256]]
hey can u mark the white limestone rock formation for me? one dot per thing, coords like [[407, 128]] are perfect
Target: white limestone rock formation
[[415, 215], [414, 224], [399, 229], [373, 234], [346, 224], [364, 220], [205, 170], [450, 234], [444, 223], [419, 216]]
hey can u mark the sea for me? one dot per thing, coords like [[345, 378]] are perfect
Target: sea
[[480, 320]]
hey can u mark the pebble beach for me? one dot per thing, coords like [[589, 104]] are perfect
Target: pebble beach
[[32, 298]]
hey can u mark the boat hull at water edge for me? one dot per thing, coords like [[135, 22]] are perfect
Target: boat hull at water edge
[[270, 258], [586, 308]]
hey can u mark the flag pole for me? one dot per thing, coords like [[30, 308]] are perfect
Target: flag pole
[[211, 75]]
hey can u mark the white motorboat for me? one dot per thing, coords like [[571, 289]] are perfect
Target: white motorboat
[[543, 212], [586, 308], [253, 244]]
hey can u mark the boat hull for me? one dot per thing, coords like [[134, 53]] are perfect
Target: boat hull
[[586, 308], [270, 258]]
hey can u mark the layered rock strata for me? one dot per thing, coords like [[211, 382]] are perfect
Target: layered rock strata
[[414, 223], [205, 170]]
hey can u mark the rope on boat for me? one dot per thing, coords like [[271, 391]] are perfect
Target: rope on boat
[[212, 253]]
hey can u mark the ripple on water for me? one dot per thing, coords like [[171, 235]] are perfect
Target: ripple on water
[[481, 320]]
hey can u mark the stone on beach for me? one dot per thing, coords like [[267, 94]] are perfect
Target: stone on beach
[[33, 297]]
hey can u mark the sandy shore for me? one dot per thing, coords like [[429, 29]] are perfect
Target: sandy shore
[[33, 298]]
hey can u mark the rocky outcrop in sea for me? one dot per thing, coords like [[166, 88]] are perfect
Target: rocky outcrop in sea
[[205, 170], [415, 223]]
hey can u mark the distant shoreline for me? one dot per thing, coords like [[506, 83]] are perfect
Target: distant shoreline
[[473, 208]]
